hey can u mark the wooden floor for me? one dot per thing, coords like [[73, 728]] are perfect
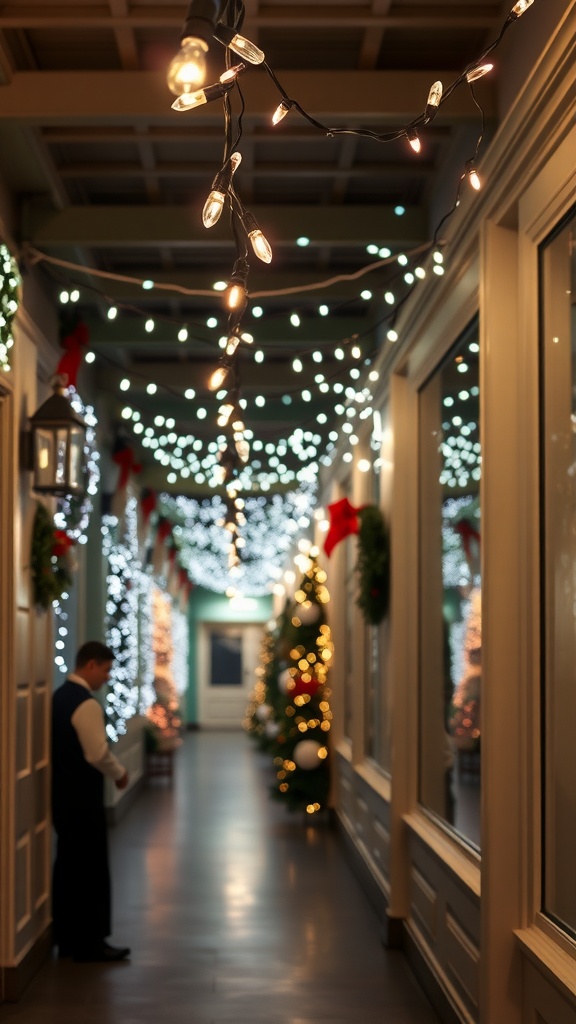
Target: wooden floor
[[236, 912]]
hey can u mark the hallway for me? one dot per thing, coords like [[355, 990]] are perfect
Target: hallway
[[236, 912]]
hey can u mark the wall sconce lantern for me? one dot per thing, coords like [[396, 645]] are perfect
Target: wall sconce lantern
[[58, 436]]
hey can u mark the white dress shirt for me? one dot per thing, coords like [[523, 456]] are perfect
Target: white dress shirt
[[88, 721]]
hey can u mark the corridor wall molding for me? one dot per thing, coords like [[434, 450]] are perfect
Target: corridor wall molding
[[472, 919]]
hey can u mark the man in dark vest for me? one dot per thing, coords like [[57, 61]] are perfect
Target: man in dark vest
[[80, 760]]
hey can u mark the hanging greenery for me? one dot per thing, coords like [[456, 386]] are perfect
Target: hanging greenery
[[9, 301], [373, 565], [49, 559]]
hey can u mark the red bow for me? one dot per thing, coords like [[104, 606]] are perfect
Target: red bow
[[147, 503], [70, 362], [343, 522], [61, 543], [125, 459]]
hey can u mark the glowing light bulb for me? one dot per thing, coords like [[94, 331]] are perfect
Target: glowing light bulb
[[520, 7], [218, 377], [297, 365], [231, 74], [414, 140], [281, 111], [247, 49], [112, 313], [189, 100], [236, 298], [260, 245], [182, 334], [187, 70], [434, 98], [213, 208], [232, 344], [478, 72], [473, 177]]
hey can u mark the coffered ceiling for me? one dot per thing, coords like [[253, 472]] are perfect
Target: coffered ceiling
[[108, 178]]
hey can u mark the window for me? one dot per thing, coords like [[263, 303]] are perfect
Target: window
[[450, 592], [558, 505]]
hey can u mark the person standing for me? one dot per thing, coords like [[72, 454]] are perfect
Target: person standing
[[81, 759]]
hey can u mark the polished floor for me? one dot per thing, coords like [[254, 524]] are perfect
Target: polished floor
[[236, 911]]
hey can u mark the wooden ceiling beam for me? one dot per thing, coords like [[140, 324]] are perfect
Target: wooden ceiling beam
[[345, 98], [126, 226], [182, 169], [40, 16]]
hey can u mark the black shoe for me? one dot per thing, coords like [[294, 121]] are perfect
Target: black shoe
[[103, 954]]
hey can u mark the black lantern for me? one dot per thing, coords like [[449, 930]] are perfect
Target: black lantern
[[58, 438]]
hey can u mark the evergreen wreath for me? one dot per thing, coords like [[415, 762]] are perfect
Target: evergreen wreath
[[9, 301], [373, 565], [51, 573]]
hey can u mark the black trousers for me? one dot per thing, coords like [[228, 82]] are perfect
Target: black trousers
[[81, 894]]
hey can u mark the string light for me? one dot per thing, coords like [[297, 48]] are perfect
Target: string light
[[187, 70]]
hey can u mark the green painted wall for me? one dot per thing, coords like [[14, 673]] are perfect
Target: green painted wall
[[206, 606]]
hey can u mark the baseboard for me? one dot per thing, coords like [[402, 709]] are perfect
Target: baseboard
[[15, 980], [429, 982], [390, 927]]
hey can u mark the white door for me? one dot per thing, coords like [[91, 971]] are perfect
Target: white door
[[228, 657]]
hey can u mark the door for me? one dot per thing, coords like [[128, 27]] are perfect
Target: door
[[228, 657]]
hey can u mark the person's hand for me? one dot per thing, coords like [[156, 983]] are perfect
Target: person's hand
[[122, 782]]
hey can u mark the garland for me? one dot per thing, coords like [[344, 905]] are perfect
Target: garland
[[373, 565], [9, 301], [49, 559]]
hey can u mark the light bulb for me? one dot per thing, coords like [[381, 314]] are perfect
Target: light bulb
[[213, 208], [434, 98], [478, 72], [520, 7], [261, 245], [414, 140], [281, 111], [236, 297], [189, 100], [247, 49], [473, 177], [232, 344], [231, 74], [218, 378], [187, 70]]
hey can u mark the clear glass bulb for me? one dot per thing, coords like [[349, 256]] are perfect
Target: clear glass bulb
[[235, 161], [232, 344], [213, 208], [281, 111], [261, 245], [414, 141], [474, 179], [245, 48], [189, 100], [231, 74], [225, 414], [187, 70], [435, 95], [218, 377], [520, 7], [479, 72], [236, 296]]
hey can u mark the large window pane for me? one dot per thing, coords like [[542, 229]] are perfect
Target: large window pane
[[450, 596], [558, 344]]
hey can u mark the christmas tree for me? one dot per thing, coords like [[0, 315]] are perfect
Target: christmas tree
[[261, 713], [302, 709], [164, 722]]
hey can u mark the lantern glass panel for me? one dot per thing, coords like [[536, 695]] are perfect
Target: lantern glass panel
[[76, 458], [61, 435], [44, 457]]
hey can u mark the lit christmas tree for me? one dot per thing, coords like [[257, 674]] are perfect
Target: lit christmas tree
[[303, 715], [261, 714], [164, 722]]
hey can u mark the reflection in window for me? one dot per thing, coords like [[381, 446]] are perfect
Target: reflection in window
[[558, 353], [450, 610]]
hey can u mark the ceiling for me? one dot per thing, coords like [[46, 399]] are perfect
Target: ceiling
[[110, 180]]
